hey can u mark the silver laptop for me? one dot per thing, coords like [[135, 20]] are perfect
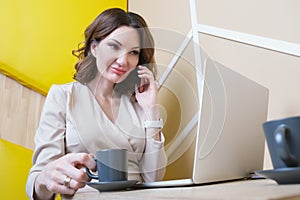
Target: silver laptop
[[229, 140]]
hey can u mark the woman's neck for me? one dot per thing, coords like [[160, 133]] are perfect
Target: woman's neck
[[103, 91], [101, 87]]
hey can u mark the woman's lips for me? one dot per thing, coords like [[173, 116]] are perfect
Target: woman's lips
[[118, 71]]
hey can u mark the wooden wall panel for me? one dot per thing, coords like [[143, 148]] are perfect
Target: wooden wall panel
[[20, 110]]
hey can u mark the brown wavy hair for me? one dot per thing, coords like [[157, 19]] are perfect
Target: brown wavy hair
[[104, 24]]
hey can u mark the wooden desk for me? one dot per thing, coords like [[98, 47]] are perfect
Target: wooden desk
[[248, 189]]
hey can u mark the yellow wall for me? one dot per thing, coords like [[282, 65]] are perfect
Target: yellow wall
[[15, 164], [37, 38]]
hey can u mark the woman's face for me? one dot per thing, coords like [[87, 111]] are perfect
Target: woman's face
[[117, 54]]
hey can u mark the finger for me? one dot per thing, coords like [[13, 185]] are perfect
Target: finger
[[141, 88], [74, 184], [144, 70], [81, 159], [76, 164], [62, 189], [137, 89], [141, 67], [78, 175], [147, 78]]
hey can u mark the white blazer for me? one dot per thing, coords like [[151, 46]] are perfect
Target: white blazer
[[73, 121]]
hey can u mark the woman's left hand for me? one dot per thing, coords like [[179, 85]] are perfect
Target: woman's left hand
[[146, 93]]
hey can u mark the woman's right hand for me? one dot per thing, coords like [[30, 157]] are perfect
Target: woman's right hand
[[52, 178]]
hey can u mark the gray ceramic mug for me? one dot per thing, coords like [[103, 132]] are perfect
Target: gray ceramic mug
[[283, 139], [112, 165]]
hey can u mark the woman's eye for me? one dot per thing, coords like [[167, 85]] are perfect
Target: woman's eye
[[135, 52], [114, 46]]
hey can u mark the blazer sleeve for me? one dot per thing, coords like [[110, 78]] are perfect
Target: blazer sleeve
[[49, 138], [154, 160]]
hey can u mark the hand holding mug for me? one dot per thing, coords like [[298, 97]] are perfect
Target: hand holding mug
[[64, 175]]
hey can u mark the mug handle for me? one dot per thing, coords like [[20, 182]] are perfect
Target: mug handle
[[90, 174], [281, 134]]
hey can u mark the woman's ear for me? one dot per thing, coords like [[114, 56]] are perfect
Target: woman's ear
[[93, 48]]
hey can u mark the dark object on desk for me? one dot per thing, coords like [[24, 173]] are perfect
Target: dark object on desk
[[283, 139], [288, 175], [112, 165], [112, 186]]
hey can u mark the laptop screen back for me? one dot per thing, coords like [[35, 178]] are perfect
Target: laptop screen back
[[230, 140]]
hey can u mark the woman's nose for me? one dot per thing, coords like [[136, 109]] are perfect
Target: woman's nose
[[122, 59]]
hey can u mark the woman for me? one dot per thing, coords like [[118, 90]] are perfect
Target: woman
[[112, 104]]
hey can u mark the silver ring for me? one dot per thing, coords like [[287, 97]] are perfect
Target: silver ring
[[67, 181]]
